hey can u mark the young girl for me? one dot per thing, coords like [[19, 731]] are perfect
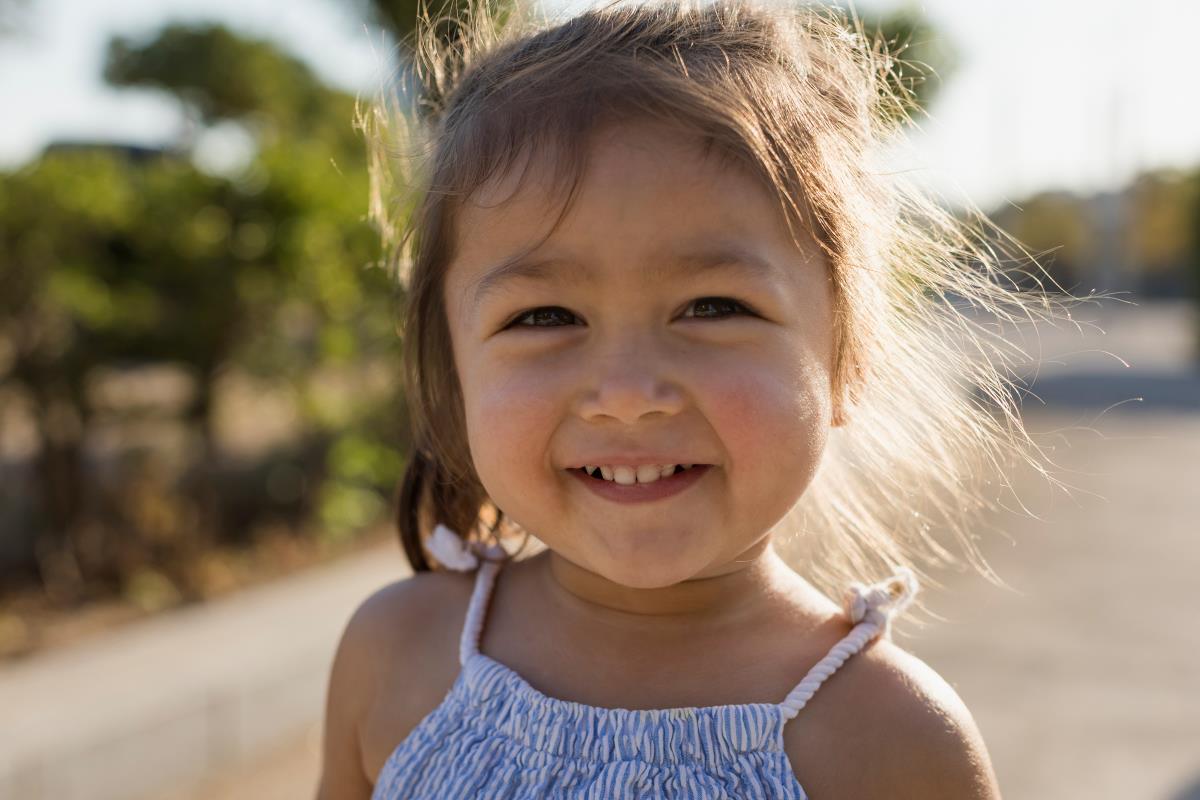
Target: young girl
[[667, 316]]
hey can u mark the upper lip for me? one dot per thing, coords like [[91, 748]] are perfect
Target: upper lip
[[631, 461]]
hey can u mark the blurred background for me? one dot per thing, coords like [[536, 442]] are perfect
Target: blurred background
[[202, 424]]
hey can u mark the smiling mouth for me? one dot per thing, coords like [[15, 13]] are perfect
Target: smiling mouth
[[653, 490], [628, 477]]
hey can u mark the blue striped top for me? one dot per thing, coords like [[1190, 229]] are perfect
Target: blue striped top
[[495, 736]]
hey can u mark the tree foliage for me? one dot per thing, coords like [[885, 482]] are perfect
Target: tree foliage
[[114, 256]]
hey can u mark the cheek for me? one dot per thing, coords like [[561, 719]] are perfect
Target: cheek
[[511, 412], [772, 420]]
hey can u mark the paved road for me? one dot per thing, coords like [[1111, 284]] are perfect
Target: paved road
[[1085, 681], [290, 772]]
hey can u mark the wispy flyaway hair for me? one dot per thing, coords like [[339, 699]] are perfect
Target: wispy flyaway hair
[[804, 101]]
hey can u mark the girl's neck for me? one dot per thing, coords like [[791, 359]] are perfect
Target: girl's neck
[[756, 582]]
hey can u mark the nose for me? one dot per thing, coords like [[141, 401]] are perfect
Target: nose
[[628, 385]]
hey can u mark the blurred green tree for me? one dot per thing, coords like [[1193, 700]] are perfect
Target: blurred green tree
[[1161, 235], [111, 259], [107, 262], [219, 75], [1193, 184]]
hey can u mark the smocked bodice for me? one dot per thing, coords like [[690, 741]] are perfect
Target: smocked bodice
[[495, 736]]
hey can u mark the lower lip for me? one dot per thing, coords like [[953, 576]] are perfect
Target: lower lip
[[642, 492]]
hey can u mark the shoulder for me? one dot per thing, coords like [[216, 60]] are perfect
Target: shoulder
[[401, 643], [395, 624], [404, 634], [928, 741], [908, 724], [409, 604]]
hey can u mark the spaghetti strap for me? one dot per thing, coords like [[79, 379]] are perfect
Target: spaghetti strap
[[485, 579], [871, 608], [454, 553]]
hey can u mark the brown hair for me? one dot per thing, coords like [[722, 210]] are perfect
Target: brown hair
[[803, 99]]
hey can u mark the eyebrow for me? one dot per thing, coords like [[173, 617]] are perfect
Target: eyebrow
[[697, 261]]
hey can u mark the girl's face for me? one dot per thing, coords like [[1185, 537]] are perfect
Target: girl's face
[[675, 318]]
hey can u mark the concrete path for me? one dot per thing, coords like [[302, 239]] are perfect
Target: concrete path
[[288, 771], [188, 694], [1086, 680]]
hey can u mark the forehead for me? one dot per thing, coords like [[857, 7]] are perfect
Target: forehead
[[648, 195], [617, 160]]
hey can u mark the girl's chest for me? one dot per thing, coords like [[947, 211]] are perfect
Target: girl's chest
[[404, 700]]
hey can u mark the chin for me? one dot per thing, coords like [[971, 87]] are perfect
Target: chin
[[647, 568]]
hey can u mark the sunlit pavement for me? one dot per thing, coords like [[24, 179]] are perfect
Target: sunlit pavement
[[289, 771], [1086, 683], [175, 698]]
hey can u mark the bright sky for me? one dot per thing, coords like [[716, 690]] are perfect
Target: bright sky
[[1076, 94]]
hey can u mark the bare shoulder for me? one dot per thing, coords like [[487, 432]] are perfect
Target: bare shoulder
[[399, 612], [913, 735], [932, 744], [396, 658]]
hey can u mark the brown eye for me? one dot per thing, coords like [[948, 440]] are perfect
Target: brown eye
[[540, 313], [718, 303]]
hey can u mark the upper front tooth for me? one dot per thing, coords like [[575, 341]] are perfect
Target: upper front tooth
[[648, 473], [626, 476]]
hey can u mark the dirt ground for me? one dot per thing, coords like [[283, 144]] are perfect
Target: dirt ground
[[1085, 680]]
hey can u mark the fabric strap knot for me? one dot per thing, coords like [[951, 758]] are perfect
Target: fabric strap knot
[[879, 602], [454, 553]]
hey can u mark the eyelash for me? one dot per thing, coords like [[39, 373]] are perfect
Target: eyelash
[[529, 312]]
